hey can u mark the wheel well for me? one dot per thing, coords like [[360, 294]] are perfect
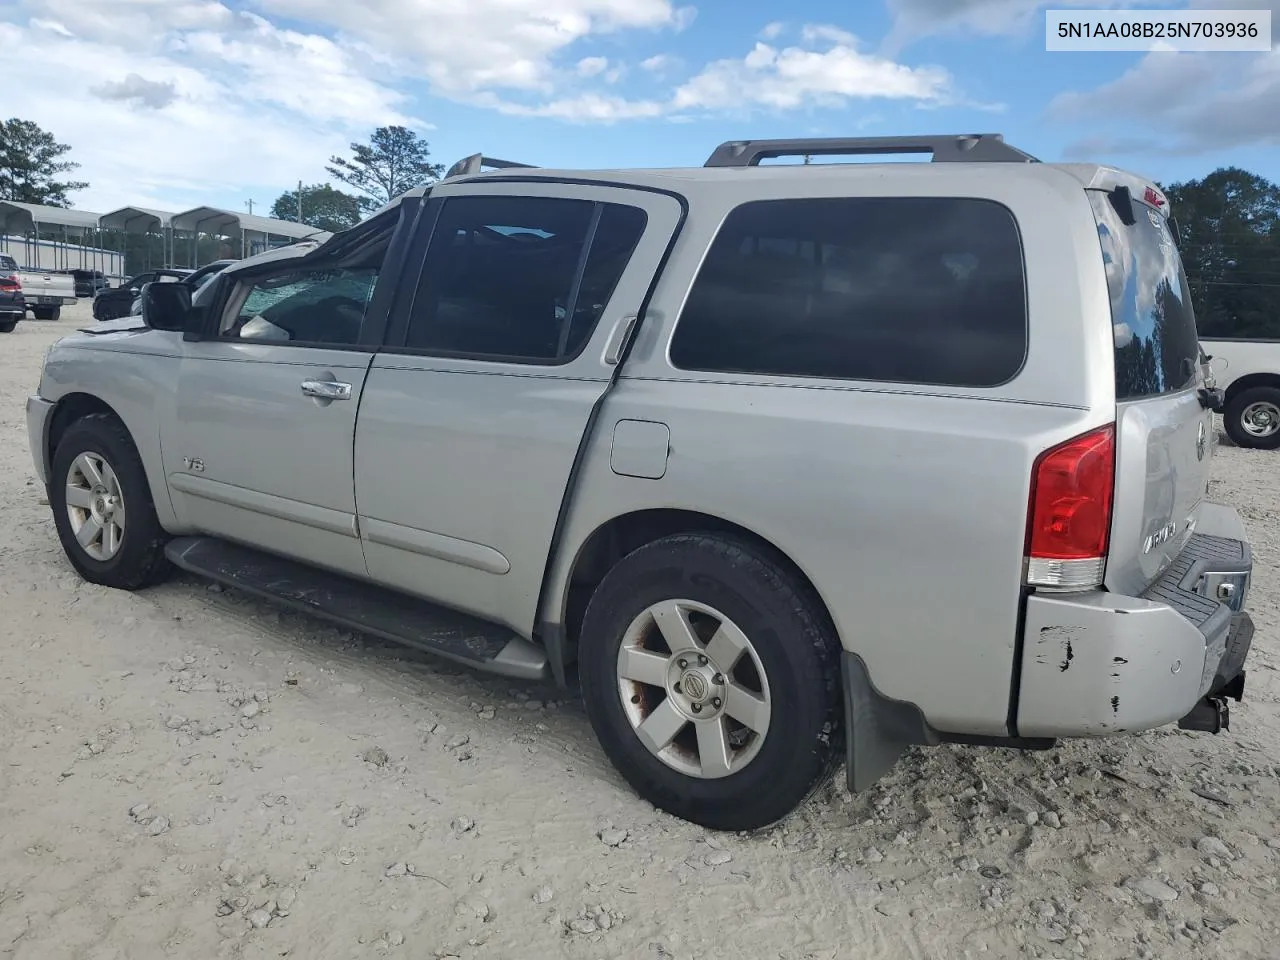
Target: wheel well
[[1252, 380], [72, 407], [625, 534]]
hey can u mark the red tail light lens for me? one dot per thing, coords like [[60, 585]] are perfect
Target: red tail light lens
[[1069, 518]]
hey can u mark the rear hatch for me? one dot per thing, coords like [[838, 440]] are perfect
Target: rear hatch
[[1164, 435]]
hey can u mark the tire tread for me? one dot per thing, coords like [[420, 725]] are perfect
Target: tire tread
[[147, 564], [785, 591]]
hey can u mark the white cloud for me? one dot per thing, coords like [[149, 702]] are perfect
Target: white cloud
[[1186, 103], [591, 66], [826, 33], [135, 88], [585, 108], [1181, 103], [51, 25], [766, 78], [660, 65], [772, 31], [178, 102], [794, 76], [684, 18], [236, 106], [464, 48]]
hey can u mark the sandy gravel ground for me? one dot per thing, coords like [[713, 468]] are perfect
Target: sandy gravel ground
[[189, 773]]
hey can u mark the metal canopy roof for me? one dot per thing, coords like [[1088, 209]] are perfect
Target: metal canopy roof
[[18, 217], [215, 220], [136, 220]]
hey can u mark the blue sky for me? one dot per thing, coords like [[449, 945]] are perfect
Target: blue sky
[[174, 103]]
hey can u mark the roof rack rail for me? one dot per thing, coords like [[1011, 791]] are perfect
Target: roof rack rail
[[947, 147], [478, 161]]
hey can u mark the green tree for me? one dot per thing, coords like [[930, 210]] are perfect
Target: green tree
[[1229, 236], [394, 160], [31, 164], [323, 207]]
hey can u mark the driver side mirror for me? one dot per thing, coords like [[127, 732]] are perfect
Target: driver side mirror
[[166, 306]]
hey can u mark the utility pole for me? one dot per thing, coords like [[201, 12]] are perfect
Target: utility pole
[[299, 201], [250, 205]]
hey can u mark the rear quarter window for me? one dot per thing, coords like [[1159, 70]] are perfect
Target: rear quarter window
[[1157, 350], [926, 290]]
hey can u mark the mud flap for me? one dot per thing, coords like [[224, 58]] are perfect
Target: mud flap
[[877, 730]]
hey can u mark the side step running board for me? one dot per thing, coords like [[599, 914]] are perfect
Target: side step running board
[[362, 606]]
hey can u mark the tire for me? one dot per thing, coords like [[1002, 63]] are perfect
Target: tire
[[137, 559], [791, 664], [8, 326], [1252, 418], [47, 313]]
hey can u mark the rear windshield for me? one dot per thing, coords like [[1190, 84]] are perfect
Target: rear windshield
[[8, 263], [1157, 350]]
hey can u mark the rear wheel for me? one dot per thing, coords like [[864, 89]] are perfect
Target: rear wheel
[[1252, 418], [47, 313], [8, 326], [711, 678], [102, 506]]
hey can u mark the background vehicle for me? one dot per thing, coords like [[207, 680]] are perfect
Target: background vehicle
[[1248, 373], [13, 306], [738, 444], [43, 293], [114, 302], [194, 281], [88, 283]]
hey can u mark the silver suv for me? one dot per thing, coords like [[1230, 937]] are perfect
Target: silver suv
[[787, 464]]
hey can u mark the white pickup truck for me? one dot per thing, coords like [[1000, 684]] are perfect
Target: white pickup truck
[[1248, 374], [45, 292]]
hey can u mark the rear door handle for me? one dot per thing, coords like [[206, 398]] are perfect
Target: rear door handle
[[327, 389]]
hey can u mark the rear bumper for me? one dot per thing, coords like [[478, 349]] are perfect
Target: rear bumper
[[1102, 663]]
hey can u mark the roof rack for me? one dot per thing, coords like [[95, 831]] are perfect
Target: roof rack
[[478, 161], [947, 147]]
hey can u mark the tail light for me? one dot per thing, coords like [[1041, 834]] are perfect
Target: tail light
[[1069, 516]]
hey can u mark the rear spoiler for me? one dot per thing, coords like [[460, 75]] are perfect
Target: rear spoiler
[[1126, 206]]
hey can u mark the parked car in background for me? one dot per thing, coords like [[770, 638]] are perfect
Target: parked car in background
[[13, 306], [195, 281], [44, 292], [790, 464], [114, 302], [88, 283], [1247, 371]]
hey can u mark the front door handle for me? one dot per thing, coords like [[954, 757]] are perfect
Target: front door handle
[[326, 389]]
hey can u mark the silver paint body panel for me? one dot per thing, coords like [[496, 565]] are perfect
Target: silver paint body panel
[[905, 506]]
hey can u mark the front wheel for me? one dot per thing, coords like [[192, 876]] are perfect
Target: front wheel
[[102, 506], [1252, 418], [711, 678]]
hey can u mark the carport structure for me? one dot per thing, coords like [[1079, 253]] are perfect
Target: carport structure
[[143, 221], [254, 233], [62, 226]]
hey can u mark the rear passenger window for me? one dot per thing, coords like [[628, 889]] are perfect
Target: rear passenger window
[[926, 290], [522, 279]]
